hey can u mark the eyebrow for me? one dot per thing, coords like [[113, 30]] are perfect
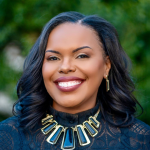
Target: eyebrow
[[80, 48]]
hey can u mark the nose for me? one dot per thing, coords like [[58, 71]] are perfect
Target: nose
[[66, 67]]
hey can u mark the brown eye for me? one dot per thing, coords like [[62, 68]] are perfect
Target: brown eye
[[83, 56], [52, 58]]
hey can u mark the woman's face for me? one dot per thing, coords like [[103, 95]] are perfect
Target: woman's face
[[74, 67]]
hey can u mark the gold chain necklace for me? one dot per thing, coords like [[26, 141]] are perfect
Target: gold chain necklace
[[68, 142]]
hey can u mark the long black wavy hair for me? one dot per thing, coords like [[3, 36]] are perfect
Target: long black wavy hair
[[33, 99]]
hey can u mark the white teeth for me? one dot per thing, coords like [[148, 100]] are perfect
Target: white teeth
[[68, 84]]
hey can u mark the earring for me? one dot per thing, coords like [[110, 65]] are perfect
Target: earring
[[107, 84]]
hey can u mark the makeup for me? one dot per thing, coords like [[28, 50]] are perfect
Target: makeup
[[68, 84]]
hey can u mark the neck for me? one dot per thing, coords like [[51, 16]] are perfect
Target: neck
[[75, 109]]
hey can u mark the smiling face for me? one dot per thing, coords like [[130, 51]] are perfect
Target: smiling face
[[74, 67]]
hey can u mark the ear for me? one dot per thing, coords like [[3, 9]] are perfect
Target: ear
[[107, 66]]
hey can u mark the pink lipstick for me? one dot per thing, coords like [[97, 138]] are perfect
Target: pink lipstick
[[68, 84]]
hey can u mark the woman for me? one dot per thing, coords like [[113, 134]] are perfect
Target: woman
[[75, 91]]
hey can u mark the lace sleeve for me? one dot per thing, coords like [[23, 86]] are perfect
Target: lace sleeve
[[141, 134], [147, 142], [10, 138]]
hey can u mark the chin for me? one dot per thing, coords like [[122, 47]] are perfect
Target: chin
[[68, 103]]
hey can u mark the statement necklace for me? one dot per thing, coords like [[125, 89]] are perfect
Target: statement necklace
[[68, 142]]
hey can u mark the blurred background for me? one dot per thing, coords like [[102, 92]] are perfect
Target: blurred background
[[21, 22]]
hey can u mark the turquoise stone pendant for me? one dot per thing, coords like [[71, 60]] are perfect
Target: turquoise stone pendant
[[92, 131], [82, 136], [94, 122], [68, 142], [49, 127], [54, 136]]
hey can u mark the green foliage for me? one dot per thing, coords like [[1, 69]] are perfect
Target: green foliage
[[8, 77], [22, 21]]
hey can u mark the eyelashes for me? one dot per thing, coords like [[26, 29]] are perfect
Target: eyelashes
[[83, 56], [54, 58]]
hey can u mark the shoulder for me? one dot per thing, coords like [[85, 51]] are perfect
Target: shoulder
[[140, 127], [137, 135], [9, 134], [9, 124], [10, 121]]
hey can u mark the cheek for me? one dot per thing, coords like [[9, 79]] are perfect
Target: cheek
[[93, 68], [47, 72], [94, 71], [97, 69]]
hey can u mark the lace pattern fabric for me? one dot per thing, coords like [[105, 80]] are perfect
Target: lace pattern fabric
[[9, 134], [134, 137]]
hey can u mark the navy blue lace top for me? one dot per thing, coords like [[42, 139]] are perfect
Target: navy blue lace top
[[133, 137]]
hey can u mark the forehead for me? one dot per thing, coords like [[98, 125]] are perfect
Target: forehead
[[72, 35]]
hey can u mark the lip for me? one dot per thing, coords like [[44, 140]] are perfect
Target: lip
[[67, 79]]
